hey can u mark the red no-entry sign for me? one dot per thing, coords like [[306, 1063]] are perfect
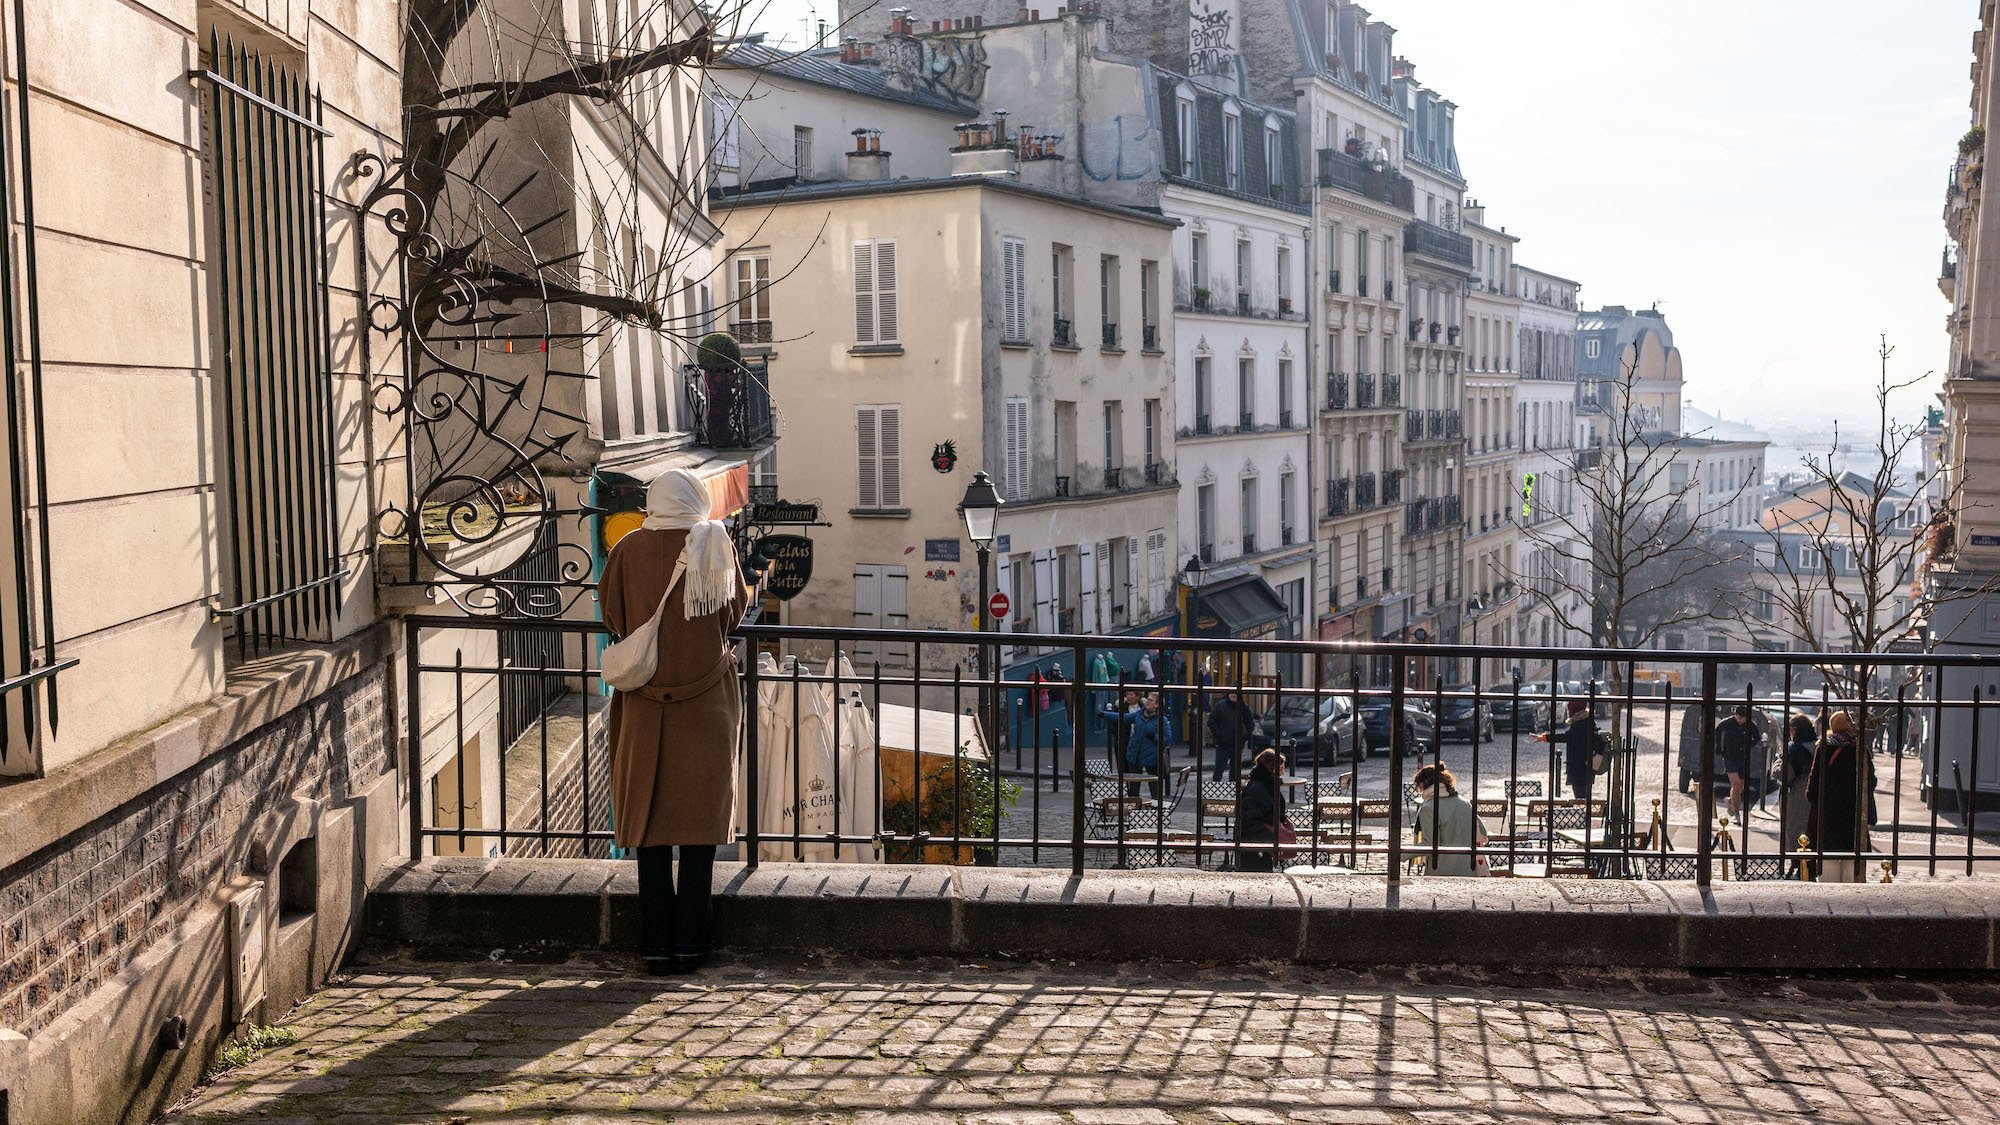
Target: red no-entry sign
[[997, 606]]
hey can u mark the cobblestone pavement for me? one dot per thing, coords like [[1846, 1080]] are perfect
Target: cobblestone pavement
[[1044, 1044]]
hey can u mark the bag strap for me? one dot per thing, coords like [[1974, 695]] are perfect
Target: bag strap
[[680, 567]]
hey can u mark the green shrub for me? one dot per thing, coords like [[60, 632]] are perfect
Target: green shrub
[[718, 351], [977, 788], [1973, 140]]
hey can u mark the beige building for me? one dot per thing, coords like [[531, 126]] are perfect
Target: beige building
[[1492, 480], [201, 748], [958, 300]]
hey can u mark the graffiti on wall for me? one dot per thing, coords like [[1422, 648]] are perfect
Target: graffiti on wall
[[1211, 38], [1128, 138], [947, 66]]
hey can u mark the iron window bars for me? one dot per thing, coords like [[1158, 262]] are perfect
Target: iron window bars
[[28, 661], [266, 171]]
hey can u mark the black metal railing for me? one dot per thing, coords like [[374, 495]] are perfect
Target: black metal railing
[[1114, 478], [1338, 497], [1285, 419], [1420, 237], [1110, 331], [1243, 302], [1636, 787], [1392, 486], [1149, 337], [1333, 281], [1059, 334], [1245, 421], [1435, 328], [267, 204], [28, 662], [1336, 390], [1249, 542], [1392, 389], [1062, 484], [1364, 392], [1413, 517], [1413, 425], [1365, 178], [1361, 285], [1589, 458], [751, 331], [1364, 491], [1203, 425], [1155, 472], [729, 409]]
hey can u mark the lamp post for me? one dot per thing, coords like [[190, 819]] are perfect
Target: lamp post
[[1191, 574], [980, 509]]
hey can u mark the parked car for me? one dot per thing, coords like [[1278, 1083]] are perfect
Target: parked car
[[1526, 714], [1419, 726], [1295, 718], [1463, 718]]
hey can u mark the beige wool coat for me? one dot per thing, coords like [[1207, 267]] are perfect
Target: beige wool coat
[[673, 742]]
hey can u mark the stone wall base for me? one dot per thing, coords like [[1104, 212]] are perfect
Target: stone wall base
[[1930, 926]]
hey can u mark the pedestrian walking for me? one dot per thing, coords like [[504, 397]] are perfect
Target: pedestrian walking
[[1581, 744], [673, 741], [1841, 790], [1737, 739], [1139, 733], [1232, 726], [1260, 813], [1446, 820]]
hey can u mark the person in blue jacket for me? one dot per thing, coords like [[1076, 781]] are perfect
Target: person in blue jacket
[[1142, 732]]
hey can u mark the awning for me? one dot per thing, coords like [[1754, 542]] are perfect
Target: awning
[[728, 479], [1244, 608]]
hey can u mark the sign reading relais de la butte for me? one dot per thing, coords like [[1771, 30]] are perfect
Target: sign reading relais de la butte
[[791, 565]]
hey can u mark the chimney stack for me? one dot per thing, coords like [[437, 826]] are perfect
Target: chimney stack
[[868, 161]]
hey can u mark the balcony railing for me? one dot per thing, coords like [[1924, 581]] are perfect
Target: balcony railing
[[1155, 472], [1432, 241], [728, 409], [1243, 302], [751, 331], [1249, 542], [1202, 425], [1413, 426], [1285, 419], [1389, 289], [1336, 390], [1062, 485], [1333, 281], [1435, 330], [1110, 336], [1339, 500], [1364, 396], [1413, 518], [1245, 422], [1361, 177], [1392, 389], [1364, 491], [1589, 458], [1285, 537], [1060, 334], [1114, 478], [1392, 486], [1361, 285], [1149, 337]]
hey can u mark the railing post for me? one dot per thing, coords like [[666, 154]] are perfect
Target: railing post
[[1076, 769], [753, 764], [1398, 673], [413, 735], [1704, 864]]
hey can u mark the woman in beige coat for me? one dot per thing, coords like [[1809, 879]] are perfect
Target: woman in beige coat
[[673, 742]]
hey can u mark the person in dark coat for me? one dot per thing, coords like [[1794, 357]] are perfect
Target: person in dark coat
[[1232, 725], [1840, 770], [1260, 810], [1794, 810], [1737, 739], [1579, 743], [1141, 733]]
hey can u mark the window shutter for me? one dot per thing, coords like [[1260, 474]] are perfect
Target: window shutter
[[1015, 470], [864, 293], [885, 291], [1156, 569], [1088, 602], [1013, 283], [867, 463], [890, 453]]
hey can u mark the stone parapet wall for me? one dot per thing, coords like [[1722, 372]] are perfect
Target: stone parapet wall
[[875, 910]]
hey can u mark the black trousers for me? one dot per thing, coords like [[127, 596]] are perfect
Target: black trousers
[[676, 916]]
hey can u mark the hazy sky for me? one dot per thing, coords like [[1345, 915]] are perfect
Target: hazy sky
[[1771, 171]]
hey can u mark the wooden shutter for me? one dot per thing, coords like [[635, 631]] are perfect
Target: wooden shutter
[[885, 291], [1134, 613], [1087, 601], [1014, 471], [1003, 575], [1107, 597], [1045, 585], [864, 293], [1013, 287], [889, 451], [867, 459], [867, 610], [1156, 569], [896, 610]]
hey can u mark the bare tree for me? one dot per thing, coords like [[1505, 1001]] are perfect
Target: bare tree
[[1638, 552], [1843, 556]]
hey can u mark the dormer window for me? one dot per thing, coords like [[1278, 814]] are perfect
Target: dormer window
[[1274, 158], [1232, 148]]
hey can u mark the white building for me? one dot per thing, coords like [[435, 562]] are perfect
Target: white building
[[1492, 478], [1552, 553]]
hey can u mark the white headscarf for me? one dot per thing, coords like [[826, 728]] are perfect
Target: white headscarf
[[678, 501]]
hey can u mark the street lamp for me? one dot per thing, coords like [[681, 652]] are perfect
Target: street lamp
[[980, 509], [1475, 608]]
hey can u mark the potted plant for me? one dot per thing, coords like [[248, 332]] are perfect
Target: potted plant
[[721, 361], [964, 809], [1201, 296], [1284, 306], [1973, 140]]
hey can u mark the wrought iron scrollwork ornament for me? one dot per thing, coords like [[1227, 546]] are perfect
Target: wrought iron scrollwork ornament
[[483, 413]]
